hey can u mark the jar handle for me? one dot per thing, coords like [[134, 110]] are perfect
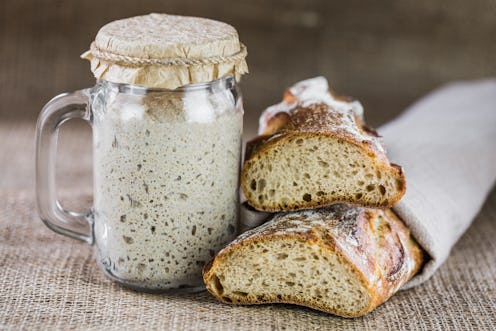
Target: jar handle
[[57, 111]]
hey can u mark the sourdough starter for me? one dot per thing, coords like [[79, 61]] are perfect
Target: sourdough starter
[[166, 180]]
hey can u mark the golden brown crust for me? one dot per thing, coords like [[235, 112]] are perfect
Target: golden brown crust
[[374, 243], [275, 122], [321, 119]]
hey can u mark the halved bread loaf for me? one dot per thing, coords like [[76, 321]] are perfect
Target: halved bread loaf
[[314, 150], [341, 259]]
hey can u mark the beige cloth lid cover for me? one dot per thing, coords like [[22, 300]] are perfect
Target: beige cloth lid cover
[[166, 51]]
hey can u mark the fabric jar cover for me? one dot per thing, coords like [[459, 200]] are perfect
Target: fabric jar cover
[[166, 51]]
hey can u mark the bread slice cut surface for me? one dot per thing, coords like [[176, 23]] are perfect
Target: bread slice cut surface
[[342, 260]]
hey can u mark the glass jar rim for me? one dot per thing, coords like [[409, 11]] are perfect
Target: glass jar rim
[[226, 82]]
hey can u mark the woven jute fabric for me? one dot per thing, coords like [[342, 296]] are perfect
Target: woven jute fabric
[[51, 282]]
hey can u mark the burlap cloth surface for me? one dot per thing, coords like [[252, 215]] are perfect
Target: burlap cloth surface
[[51, 282]]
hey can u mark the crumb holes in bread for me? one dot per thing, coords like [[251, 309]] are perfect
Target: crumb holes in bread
[[306, 175], [261, 184], [253, 185], [370, 187], [295, 184], [382, 189], [358, 195], [307, 197], [320, 193], [323, 164], [241, 294], [272, 193], [218, 288], [282, 256], [299, 141]]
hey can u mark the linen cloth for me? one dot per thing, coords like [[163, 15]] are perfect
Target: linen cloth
[[446, 144]]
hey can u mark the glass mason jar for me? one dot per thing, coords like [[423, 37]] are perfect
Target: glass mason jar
[[166, 176]]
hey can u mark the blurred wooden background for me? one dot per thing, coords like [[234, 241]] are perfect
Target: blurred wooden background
[[385, 53]]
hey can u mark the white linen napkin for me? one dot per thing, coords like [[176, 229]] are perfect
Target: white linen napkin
[[446, 144]]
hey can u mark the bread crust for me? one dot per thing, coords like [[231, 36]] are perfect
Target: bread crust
[[374, 243]]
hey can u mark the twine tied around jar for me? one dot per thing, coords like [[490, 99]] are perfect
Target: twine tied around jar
[[139, 61]]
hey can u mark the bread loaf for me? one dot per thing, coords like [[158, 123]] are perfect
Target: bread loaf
[[314, 150], [342, 260]]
